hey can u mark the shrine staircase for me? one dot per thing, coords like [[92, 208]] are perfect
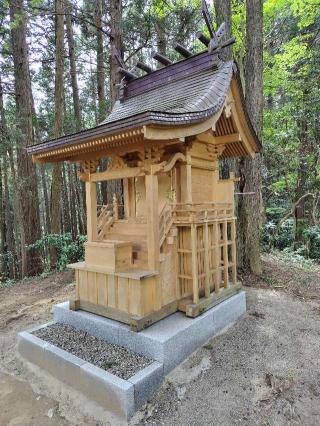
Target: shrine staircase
[[134, 230]]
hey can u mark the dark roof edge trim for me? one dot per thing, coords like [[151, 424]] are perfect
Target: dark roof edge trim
[[123, 125]]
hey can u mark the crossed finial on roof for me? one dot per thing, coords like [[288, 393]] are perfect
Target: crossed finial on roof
[[214, 45], [215, 42]]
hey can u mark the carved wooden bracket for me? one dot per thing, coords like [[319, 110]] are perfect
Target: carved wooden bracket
[[116, 163], [228, 106], [214, 151], [150, 155], [89, 166]]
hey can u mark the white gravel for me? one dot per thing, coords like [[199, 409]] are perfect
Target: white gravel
[[115, 359]]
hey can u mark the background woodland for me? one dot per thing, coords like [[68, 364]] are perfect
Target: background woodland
[[58, 75]]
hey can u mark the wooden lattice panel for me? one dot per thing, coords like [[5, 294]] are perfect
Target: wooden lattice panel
[[207, 257]]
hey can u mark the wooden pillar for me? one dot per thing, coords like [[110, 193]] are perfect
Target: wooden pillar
[[132, 196], [91, 202], [126, 197], [177, 179], [186, 183], [129, 197], [152, 195]]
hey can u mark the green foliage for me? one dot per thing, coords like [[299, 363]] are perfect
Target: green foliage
[[68, 251], [290, 256], [275, 213], [307, 246], [291, 89], [7, 283], [311, 237], [281, 239]]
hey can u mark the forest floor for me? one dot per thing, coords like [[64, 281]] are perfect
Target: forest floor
[[264, 370]]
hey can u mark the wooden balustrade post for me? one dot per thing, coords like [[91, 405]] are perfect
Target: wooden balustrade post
[[216, 257], [234, 251], [194, 253], [91, 203], [225, 254], [206, 257], [153, 241]]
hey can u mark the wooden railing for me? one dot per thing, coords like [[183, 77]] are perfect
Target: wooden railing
[[166, 219], [105, 220], [206, 248], [196, 212]]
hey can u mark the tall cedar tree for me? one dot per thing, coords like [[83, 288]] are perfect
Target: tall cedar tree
[[223, 14], [101, 75], [28, 189], [58, 122], [249, 207], [73, 67], [10, 240], [115, 41], [77, 187]]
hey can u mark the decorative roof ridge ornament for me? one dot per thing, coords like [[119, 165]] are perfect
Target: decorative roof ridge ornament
[[214, 43], [127, 75]]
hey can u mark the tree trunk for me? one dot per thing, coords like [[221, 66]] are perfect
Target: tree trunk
[[18, 212], [46, 220], [249, 207], [56, 184], [2, 224], [73, 203], [223, 14], [10, 247], [116, 41], [161, 36], [80, 196], [18, 221], [115, 78], [27, 176], [66, 200], [73, 69], [101, 75]]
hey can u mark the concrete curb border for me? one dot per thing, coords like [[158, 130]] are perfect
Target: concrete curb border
[[120, 397]]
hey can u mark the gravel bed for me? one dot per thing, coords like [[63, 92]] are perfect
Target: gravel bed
[[115, 359]]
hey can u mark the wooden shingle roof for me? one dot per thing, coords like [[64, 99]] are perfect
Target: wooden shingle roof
[[177, 101], [179, 96]]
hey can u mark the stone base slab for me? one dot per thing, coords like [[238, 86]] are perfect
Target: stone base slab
[[168, 341]]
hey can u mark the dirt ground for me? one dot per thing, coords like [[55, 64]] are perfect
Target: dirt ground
[[264, 370]]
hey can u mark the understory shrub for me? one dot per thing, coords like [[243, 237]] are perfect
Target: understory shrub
[[281, 239], [311, 238], [307, 245], [68, 250]]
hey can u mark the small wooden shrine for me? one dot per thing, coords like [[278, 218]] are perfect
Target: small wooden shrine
[[171, 244]]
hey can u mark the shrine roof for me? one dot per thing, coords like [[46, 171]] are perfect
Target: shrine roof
[[177, 94], [186, 92], [176, 101]]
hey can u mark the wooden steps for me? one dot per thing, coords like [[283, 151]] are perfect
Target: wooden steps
[[136, 234]]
